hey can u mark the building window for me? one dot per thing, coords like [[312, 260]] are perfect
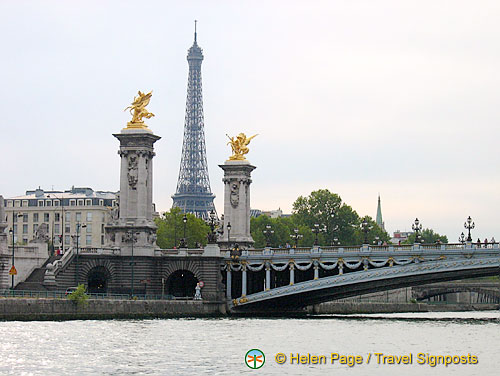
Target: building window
[[102, 228], [103, 217], [80, 202], [46, 217], [102, 239], [78, 217], [89, 228], [9, 203], [113, 203], [66, 240], [17, 204], [35, 217], [25, 203], [15, 229], [25, 229], [41, 203], [57, 217], [48, 203], [57, 228], [89, 216], [15, 239], [88, 202], [101, 202], [67, 217], [35, 227], [89, 239], [72, 202], [67, 228], [25, 240], [25, 218], [56, 202]]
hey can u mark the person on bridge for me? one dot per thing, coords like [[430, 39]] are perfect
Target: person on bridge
[[478, 243], [485, 242]]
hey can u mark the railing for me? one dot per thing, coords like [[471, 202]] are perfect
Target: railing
[[180, 252], [63, 295], [99, 251]]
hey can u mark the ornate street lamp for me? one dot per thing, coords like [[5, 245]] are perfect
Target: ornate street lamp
[[365, 227], [316, 230], [296, 236], [268, 232], [14, 216], [336, 242], [183, 240], [333, 226], [461, 238], [78, 225], [228, 234], [375, 241], [213, 222], [417, 227], [469, 225]]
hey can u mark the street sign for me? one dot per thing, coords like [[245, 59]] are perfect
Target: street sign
[[13, 270], [202, 283]]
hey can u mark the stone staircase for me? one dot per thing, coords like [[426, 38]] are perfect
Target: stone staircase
[[35, 281]]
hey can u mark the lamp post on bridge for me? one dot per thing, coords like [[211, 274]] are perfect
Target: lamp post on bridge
[[212, 223], [461, 238], [365, 227], [78, 226], [316, 230], [334, 227], [417, 227], [296, 236], [14, 216], [268, 232], [469, 225], [183, 243]]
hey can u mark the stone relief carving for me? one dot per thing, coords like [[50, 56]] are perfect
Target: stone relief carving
[[42, 233], [235, 194], [132, 171]]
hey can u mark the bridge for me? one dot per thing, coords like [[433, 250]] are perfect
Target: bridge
[[288, 279], [487, 292]]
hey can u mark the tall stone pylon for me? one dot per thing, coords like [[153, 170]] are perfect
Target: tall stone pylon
[[237, 180], [193, 193], [133, 224]]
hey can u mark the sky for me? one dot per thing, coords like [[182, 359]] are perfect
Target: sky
[[397, 98]]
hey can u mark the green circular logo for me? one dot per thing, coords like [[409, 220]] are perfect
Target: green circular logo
[[255, 359]]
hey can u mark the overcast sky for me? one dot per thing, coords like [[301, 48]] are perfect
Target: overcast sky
[[359, 97]]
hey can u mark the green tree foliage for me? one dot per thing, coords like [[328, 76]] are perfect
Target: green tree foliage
[[171, 229], [316, 208], [429, 236], [283, 227], [79, 297]]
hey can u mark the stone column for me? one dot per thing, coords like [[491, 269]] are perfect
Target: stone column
[[136, 198], [244, 281], [268, 277], [316, 270], [237, 203], [292, 274]]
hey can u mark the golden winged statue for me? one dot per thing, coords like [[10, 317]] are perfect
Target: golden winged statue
[[138, 110], [239, 145]]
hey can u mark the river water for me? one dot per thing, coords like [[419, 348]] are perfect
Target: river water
[[219, 346]]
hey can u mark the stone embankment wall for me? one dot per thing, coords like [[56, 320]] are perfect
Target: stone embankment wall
[[64, 309], [367, 307]]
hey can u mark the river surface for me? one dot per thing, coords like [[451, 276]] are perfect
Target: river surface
[[219, 346]]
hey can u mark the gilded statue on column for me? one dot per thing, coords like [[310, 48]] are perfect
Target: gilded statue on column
[[138, 110], [239, 145]]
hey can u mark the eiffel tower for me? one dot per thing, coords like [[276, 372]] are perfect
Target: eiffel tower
[[193, 194]]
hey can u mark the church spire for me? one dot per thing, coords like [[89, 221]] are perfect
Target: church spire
[[379, 220]]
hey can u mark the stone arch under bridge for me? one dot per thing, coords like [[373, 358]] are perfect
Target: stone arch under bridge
[[98, 274], [181, 278]]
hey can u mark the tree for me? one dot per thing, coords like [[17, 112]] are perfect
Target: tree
[[79, 297], [282, 228], [326, 209], [171, 229], [429, 237]]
